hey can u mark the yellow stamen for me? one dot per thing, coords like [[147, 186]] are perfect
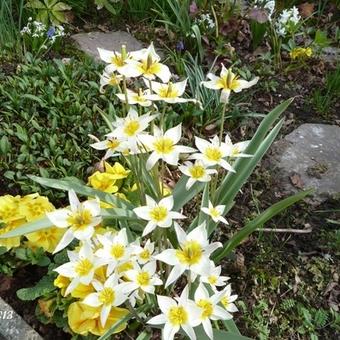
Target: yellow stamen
[[177, 316], [158, 213], [80, 219], [190, 254], [143, 278], [83, 267], [197, 171], [131, 127], [163, 145], [107, 296], [207, 308]]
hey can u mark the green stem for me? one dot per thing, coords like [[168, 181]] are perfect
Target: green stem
[[222, 121]]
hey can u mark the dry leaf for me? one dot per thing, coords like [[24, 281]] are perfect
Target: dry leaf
[[296, 181], [306, 9]]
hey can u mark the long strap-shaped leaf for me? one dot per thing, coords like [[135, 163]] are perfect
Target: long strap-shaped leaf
[[252, 148], [219, 335], [231, 186], [182, 195], [67, 184], [113, 213], [259, 221], [112, 329]]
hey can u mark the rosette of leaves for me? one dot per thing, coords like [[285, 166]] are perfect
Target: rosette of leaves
[[50, 11]]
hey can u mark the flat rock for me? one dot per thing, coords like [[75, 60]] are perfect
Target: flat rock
[[113, 41], [309, 157], [13, 327]]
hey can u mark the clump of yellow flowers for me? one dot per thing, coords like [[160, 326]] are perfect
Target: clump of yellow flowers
[[300, 53], [16, 211]]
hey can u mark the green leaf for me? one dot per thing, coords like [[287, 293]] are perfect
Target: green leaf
[[42, 288], [112, 329], [29, 227], [234, 181], [182, 195], [259, 221], [144, 336], [321, 39], [69, 183], [231, 326]]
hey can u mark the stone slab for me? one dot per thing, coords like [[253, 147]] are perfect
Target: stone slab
[[311, 153], [13, 326], [113, 41]]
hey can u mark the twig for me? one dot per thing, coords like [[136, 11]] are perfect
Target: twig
[[295, 231]]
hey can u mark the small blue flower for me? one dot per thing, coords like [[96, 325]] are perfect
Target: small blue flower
[[50, 33], [180, 46]]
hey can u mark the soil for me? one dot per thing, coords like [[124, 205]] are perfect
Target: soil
[[23, 278]]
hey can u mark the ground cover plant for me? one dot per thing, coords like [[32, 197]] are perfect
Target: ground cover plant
[[132, 201]]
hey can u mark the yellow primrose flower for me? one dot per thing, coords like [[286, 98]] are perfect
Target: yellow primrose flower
[[103, 181], [34, 206], [227, 82], [9, 208], [46, 238], [84, 319], [117, 170], [11, 242], [300, 52], [62, 282]]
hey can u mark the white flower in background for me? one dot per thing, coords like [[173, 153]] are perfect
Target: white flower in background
[[170, 93], [212, 153], [115, 249], [81, 267], [118, 60], [267, 5], [109, 78], [228, 299], [206, 20], [157, 214], [133, 98], [112, 145], [182, 313], [108, 295], [144, 254], [236, 150], [209, 308], [227, 82], [144, 278], [164, 146], [288, 21], [130, 128], [197, 172], [214, 277], [193, 253], [216, 213], [148, 66], [80, 219]]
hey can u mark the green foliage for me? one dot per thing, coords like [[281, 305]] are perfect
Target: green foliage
[[49, 11], [47, 114], [10, 24], [42, 288], [325, 97], [35, 257]]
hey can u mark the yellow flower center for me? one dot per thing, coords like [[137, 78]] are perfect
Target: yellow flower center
[[225, 301], [83, 267], [197, 171], [163, 145], [117, 60], [117, 251], [150, 67], [143, 278], [213, 153], [107, 296], [207, 308], [145, 255], [112, 144], [212, 279], [178, 316], [235, 151], [114, 80], [131, 127], [80, 219], [229, 81], [190, 254], [214, 212], [124, 267], [168, 91], [158, 213]]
